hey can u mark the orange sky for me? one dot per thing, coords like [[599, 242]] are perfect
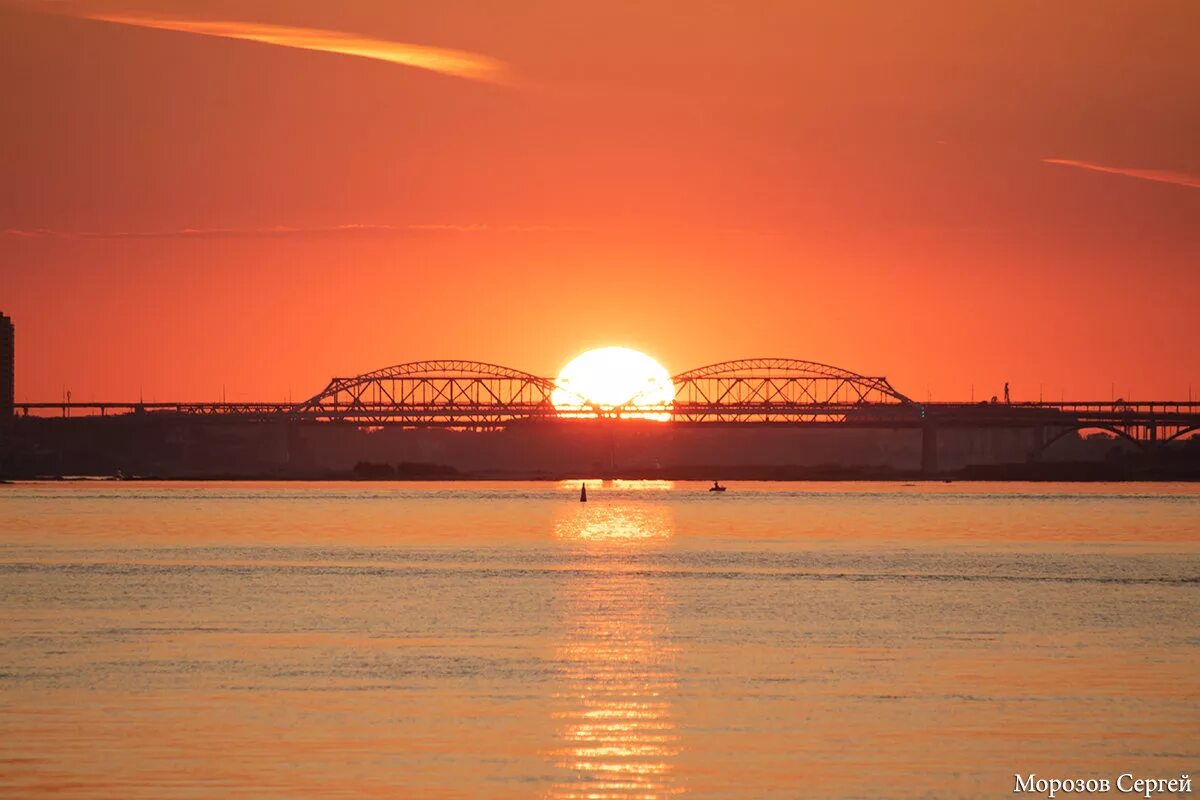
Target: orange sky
[[946, 193]]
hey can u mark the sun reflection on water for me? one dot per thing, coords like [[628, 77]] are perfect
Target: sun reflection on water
[[600, 528], [616, 734]]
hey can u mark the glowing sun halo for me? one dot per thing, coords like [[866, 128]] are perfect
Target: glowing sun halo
[[614, 381]]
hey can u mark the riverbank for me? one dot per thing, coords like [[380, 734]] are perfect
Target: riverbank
[[1035, 472]]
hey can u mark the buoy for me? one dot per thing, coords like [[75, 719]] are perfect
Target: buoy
[[583, 492]]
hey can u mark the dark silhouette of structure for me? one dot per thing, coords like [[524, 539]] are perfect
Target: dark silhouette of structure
[[476, 416], [7, 367], [472, 395]]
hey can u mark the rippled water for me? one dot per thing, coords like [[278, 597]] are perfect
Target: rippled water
[[505, 640]]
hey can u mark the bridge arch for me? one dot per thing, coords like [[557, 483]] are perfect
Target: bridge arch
[[789, 368], [780, 389], [1182, 433], [1087, 426], [451, 392]]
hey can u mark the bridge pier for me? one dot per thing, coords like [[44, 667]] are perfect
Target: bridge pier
[[929, 459], [1040, 437]]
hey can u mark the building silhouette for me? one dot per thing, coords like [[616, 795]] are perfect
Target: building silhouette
[[7, 367]]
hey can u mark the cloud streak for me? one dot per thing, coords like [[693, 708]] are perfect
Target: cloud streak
[[207, 233], [1159, 175], [280, 231], [457, 63]]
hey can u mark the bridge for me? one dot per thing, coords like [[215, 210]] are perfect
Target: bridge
[[473, 395]]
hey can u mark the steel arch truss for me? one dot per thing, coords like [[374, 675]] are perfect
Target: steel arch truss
[[782, 390], [472, 394], [452, 393]]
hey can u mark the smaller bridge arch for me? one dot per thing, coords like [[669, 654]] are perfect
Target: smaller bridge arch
[[1062, 433], [1182, 433]]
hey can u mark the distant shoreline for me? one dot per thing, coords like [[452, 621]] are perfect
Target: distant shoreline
[[1036, 473]]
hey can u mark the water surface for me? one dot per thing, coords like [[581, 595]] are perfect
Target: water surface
[[505, 640]]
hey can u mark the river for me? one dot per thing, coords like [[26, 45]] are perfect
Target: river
[[494, 640]]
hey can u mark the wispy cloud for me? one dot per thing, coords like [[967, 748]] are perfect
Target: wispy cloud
[[480, 228], [459, 63], [205, 233], [1160, 175], [279, 231]]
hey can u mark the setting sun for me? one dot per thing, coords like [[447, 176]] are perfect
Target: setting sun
[[616, 382]]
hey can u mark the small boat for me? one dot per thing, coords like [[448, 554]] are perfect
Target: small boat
[[716, 487]]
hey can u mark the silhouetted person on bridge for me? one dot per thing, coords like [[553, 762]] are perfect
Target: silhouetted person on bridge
[[1007, 399]]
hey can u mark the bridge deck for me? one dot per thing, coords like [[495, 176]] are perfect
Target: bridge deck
[[1150, 419]]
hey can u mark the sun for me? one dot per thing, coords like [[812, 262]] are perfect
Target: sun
[[614, 382]]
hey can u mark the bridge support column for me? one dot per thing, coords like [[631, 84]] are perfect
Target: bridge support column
[[929, 459], [1040, 437]]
